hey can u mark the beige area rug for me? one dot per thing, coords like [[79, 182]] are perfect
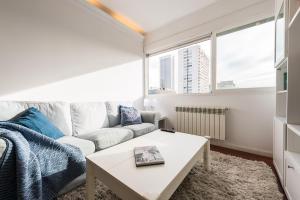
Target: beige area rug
[[230, 177]]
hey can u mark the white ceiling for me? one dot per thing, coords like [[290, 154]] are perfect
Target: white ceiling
[[152, 14]]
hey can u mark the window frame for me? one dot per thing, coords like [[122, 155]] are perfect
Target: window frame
[[233, 29], [214, 91]]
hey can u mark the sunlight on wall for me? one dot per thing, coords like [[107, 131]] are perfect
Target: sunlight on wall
[[117, 83]]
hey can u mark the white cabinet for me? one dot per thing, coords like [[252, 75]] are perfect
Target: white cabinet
[[286, 134], [279, 136]]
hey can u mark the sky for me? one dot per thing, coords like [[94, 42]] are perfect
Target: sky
[[247, 57]]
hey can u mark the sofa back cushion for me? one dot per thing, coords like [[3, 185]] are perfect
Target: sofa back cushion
[[113, 111], [57, 112], [33, 119], [88, 117], [10, 109]]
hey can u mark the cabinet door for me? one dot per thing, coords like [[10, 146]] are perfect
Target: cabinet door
[[292, 180], [279, 146]]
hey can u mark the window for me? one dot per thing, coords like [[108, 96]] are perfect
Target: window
[[183, 70], [245, 56]]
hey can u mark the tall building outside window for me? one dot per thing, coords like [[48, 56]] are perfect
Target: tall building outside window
[[185, 70]]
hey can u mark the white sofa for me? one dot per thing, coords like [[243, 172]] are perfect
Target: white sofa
[[81, 122]]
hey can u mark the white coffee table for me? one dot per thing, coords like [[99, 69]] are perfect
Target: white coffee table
[[115, 166]]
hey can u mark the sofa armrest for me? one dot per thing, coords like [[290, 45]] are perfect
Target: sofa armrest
[[150, 117]]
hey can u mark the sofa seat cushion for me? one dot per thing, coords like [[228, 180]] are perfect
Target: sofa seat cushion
[[87, 147], [107, 137], [141, 129]]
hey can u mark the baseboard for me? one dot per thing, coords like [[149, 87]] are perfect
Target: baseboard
[[242, 148]]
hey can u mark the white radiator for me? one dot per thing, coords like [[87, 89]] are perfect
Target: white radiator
[[205, 121]]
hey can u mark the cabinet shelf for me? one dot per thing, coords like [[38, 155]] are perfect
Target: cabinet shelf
[[282, 119], [282, 64], [294, 128], [295, 18], [282, 92]]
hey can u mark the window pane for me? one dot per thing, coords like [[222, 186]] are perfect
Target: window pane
[[185, 70], [245, 58]]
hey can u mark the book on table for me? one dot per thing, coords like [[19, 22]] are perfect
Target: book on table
[[147, 155]]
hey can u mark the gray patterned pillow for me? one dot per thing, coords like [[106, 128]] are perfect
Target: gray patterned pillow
[[130, 116]]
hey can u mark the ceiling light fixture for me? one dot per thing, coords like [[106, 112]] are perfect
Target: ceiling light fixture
[[120, 18]]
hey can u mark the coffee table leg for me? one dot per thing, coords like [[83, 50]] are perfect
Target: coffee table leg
[[206, 156], [90, 182]]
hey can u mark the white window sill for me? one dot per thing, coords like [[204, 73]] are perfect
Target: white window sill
[[218, 92], [246, 90]]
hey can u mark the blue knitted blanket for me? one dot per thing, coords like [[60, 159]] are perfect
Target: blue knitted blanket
[[41, 166]]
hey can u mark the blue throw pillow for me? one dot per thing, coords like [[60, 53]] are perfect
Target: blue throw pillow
[[37, 121], [130, 116]]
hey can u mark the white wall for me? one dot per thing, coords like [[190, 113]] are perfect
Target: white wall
[[249, 119], [67, 50], [122, 82], [216, 17], [249, 124]]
